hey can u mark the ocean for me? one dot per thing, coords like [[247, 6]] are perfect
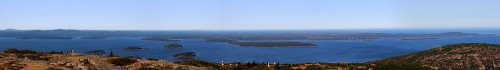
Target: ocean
[[327, 50]]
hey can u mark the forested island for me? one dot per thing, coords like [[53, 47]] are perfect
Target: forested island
[[45, 37], [185, 55], [93, 37], [419, 38], [219, 40], [134, 48], [274, 44], [173, 46], [158, 39]]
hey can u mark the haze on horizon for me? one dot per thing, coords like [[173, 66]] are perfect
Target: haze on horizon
[[247, 14]]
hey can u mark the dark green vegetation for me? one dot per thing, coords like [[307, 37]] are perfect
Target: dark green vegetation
[[158, 39], [93, 37], [122, 61], [173, 46], [455, 56], [149, 67], [134, 48], [15, 51], [185, 55], [31, 54], [419, 38], [95, 52], [219, 40], [274, 44], [45, 37], [111, 54], [199, 63]]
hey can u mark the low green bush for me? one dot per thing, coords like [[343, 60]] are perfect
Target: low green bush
[[122, 61]]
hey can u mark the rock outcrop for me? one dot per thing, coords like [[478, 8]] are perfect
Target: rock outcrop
[[85, 62], [457, 56]]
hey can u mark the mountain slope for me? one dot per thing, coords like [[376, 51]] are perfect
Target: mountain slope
[[455, 56]]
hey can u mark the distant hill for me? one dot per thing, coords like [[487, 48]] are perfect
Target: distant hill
[[456, 56]]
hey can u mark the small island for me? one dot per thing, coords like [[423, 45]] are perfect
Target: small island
[[173, 46], [185, 55], [133, 48], [95, 52], [158, 39], [274, 44]]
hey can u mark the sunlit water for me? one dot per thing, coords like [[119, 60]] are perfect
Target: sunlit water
[[327, 50]]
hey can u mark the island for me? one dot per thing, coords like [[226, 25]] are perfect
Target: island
[[173, 46], [158, 39], [274, 44], [185, 55], [419, 38], [219, 40], [93, 37], [133, 48], [95, 52], [45, 37]]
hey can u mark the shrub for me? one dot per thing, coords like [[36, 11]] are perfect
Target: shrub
[[314, 67], [15, 51], [12, 50], [122, 61], [152, 59], [55, 52], [27, 51], [199, 63], [149, 67]]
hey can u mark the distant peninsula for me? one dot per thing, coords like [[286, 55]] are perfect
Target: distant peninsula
[[93, 37], [158, 39], [219, 40], [419, 38], [274, 44]]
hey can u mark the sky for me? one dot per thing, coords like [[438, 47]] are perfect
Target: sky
[[247, 14]]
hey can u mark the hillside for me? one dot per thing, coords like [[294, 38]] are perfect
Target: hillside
[[455, 56], [32, 60]]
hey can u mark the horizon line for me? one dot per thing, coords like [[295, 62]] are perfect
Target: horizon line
[[245, 29]]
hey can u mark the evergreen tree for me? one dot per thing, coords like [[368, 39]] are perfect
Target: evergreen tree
[[111, 54], [248, 64], [277, 67], [254, 63]]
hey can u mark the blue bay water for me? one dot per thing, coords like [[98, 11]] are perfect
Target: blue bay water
[[327, 50]]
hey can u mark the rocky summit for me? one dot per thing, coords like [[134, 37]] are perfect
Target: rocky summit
[[456, 56], [84, 62]]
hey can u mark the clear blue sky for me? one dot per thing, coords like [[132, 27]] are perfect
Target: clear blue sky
[[247, 14]]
